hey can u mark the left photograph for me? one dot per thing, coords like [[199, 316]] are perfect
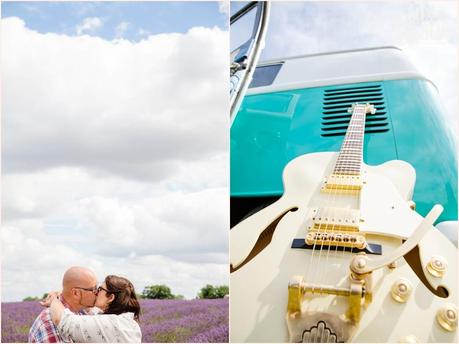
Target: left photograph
[[115, 172]]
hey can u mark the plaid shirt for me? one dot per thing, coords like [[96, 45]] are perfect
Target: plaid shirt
[[43, 329]]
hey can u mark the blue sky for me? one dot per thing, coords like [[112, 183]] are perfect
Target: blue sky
[[140, 18]]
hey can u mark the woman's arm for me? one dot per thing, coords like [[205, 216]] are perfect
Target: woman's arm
[[109, 328], [56, 308]]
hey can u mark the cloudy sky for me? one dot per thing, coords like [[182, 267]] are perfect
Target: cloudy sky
[[115, 157], [426, 30]]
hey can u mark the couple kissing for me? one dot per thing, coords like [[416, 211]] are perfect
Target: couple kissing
[[85, 312]]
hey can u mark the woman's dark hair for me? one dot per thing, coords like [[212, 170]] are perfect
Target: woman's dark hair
[[125, 298]]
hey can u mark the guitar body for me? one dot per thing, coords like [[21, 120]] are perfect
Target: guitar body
[[259, 284]]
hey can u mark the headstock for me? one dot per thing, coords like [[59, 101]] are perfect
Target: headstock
[[369, 108]]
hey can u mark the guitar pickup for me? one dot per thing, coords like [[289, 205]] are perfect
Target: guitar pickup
[[334, 219], [343, 183]]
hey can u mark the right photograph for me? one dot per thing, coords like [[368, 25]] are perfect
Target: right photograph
[[343, 172]]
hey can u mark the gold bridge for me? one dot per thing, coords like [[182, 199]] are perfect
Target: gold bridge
[[336, 239], [343, 183]]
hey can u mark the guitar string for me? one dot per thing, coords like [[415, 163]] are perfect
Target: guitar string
[[311, 260], [325, 216], [348, 170], [328, 214], [318, 233], [361, 143]]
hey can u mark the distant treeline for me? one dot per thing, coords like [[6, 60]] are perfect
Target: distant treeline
[[35, 298], [162, 292]]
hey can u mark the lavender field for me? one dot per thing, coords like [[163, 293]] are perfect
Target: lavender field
[[194, 321]]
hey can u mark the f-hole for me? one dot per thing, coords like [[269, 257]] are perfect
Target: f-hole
[[264, 239]]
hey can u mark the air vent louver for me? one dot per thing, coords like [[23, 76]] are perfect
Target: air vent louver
[[335, 118]]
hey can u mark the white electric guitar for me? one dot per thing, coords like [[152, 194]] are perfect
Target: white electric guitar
[[343, 256]]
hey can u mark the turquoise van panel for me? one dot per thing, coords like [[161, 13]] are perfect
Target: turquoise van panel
[[273, 128], [423, 140]]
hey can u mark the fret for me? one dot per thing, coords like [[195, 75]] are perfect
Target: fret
[[353, 160], [349, 160], [358, 149], [342, 162], [354, 164], [354, 154], [348, 165]]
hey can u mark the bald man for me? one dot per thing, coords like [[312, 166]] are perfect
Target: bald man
[[79, 291]]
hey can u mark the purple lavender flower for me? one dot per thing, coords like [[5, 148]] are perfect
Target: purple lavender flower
[[165, 321]]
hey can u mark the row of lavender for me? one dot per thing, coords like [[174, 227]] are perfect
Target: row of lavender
[[194, 321]]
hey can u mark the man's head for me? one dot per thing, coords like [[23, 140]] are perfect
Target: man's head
[[79, 288]]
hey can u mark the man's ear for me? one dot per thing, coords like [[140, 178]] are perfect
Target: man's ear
[[75, 292]]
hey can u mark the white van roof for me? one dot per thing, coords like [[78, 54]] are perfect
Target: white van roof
[[340, 67]]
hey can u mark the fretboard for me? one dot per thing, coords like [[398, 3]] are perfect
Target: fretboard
[[350, 155]]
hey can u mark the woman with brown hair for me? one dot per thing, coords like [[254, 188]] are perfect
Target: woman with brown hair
[[116, 322]]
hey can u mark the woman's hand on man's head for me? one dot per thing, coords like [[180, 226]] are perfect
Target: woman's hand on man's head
[[46, 302]]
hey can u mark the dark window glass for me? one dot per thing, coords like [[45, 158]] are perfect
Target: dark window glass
[[265, 75]]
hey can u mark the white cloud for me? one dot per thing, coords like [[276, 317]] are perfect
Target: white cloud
[[121, 28], [115, 107], [224, 7], [172, 224], [89, 24], [120, 216], [40, 265], [143, 32], [114, 157]]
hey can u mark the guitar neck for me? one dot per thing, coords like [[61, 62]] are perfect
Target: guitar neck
[[350, 156]]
